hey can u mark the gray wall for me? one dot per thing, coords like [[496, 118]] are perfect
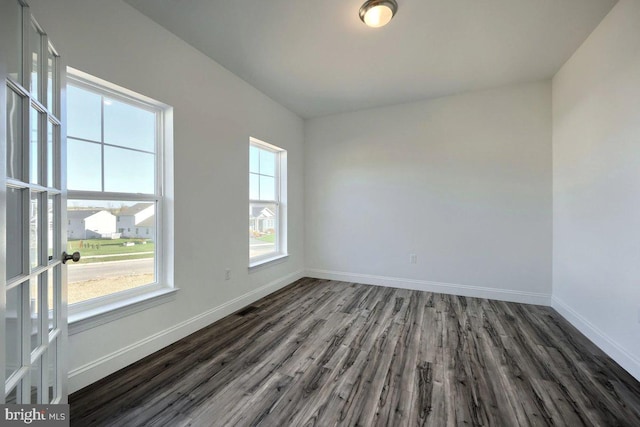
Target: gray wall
[[596, 186], [215, 113], [464, 182]]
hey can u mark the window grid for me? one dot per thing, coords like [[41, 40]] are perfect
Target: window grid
[[31, 88], [108, 92], [265, 212]]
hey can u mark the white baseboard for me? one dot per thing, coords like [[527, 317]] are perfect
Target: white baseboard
[[93, 371], [614, 350], [427, 286]]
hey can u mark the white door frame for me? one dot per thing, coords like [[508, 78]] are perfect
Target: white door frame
[[42, 323]]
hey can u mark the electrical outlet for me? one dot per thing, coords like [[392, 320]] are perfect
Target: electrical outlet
[[227, 274], [413, 259]]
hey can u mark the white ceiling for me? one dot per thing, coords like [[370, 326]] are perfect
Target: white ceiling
[[317, 57]]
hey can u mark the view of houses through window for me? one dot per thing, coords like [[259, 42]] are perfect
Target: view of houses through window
[[114, 190], [267, 169], [117, 243]]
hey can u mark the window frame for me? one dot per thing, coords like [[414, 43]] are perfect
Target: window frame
[[86, 314], [280, 177]]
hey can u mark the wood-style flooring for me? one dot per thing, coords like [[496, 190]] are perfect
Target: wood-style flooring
[[324, 353]]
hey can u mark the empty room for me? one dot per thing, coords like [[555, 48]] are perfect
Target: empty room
[[443, 203]]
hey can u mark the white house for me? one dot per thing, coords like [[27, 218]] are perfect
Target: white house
[[261, 219], [137, 221], [91, 224]]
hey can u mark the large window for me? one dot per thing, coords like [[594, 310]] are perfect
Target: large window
[[267, 202], [116, 201]]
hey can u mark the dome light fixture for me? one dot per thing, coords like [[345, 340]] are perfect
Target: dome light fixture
[[378, 13]]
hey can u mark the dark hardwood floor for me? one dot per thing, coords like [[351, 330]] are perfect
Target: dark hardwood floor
[[330, 353]]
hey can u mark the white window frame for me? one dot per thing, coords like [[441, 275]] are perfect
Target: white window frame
[[280, 202], [94, 312]]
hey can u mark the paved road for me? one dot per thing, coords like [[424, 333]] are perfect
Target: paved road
[[96, 270], [258, 247]]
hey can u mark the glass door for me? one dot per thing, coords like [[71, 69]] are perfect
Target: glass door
[[33, 301]]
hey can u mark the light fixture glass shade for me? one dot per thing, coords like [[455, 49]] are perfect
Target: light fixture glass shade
[[378, 13]]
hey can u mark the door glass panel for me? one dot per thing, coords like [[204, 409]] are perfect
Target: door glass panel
[[51, 211], [34, 311], [52, 296], [84, 114], [36, 381], [117, 242], [12, 334], [15, 232], [50, 153], [12, 397], [36, 45], [14, 20], [84, 163], [34, 125], [52, 373], [34, 220], [128, 171], [51, 69], [14, 135], [129, 126]]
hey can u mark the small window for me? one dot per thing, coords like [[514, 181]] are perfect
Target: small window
[[115, 173], [267, 202]]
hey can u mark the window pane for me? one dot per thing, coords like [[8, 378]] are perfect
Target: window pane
[[267, 163], [35, 45], [14, 395], [52, 374], [34, 125], [14, 135], [14, 20], [84, 165], [128, 171], [51, 69], [12, 334], [50, 223], [14, 232], [129, 126], [34, 310], [34, 222], [262, 229], [254, 159], [51, 294], [50, 153], [254, 186], [36, 381], [105, 232], [267, 188], [84, 114]]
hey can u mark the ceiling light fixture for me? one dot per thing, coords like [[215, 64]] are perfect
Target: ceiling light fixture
[[378, 13]]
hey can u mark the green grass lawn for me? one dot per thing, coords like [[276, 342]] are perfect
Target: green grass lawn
[[269, 238], [91, 247]]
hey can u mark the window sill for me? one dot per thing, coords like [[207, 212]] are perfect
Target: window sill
[[267, 262], [101, 314]]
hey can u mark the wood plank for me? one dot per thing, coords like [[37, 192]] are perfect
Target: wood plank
[[322, 352]]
